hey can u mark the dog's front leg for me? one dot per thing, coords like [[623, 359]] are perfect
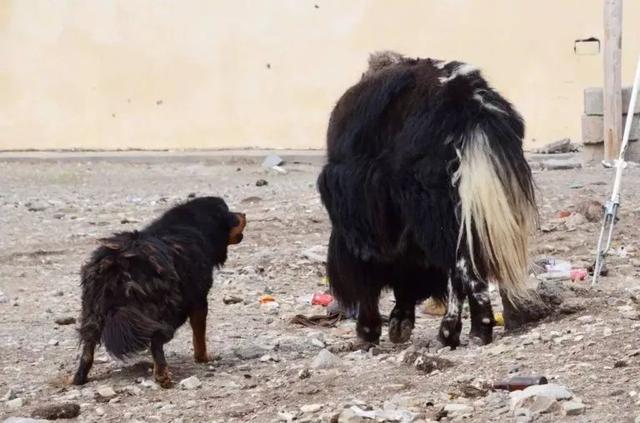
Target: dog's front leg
[[198, 321]]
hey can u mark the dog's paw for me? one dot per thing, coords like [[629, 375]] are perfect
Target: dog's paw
[[203, 358], [164, 379], [75, 380]]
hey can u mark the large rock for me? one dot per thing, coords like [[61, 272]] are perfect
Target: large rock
[[454, 410], [190, 383], [520, 399], [325, 360], [14, 404], [547, 299], [65, 410], [573, 408], [106, 392]]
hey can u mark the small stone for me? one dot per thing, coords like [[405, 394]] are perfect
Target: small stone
[[100, 411], [541, 405], [573, 408], [325, 360], [14, 404], [66, 410], [470, 391], [147, 383], [431, 363], [133, 390], [53, 342], [575, 221], [35, 207], [284, 416], [318, 343], [106, 392], [62, 321], [457, 409], [521, 413], [230, 299], [620, 363], [261, 183], [317, 253], [249, 352], [607, 332], [8, 396], [558, 164], [592, 210], [272, 160], [190, 383], [586, 319], [311, 408], [629, 312], [498, 349], [561, 146], [304, 374]]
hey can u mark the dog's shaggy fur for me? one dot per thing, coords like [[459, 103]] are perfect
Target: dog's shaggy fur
[[428, 192], [139, 287]]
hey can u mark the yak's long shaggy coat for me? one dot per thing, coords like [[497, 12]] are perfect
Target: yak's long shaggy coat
[[139, 287], [428, 192]]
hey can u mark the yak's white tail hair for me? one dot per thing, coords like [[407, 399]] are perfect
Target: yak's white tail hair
[[496, 214]]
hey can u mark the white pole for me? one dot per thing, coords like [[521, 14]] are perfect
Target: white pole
[[627, 131], [612, 205]]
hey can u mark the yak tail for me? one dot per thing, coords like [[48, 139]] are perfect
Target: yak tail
[[497, 203], [127, 331]]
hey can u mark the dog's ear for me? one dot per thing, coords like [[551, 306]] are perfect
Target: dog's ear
[[232, 220], [239, 221]]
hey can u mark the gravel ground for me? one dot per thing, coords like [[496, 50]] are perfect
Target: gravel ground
[[266, 368]]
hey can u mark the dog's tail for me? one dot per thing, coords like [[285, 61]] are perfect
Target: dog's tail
[[127, 330], [125, 285], [497, 199]]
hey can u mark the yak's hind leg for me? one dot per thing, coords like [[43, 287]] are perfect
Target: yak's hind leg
[[482, 319], [403, 316], [451, 324], [411, 285], [369, 324], [355, 282]]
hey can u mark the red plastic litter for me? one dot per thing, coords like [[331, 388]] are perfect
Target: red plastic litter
[[321, 299], [578, 274]]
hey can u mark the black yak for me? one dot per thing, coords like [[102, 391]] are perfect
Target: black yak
[[428, 192]]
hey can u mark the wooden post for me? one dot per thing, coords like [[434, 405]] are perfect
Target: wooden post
[[612, 78]]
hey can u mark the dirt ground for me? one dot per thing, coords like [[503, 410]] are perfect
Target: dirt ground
[[51, 214]]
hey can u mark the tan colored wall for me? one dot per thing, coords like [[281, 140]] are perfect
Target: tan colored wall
[[182, 74]]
